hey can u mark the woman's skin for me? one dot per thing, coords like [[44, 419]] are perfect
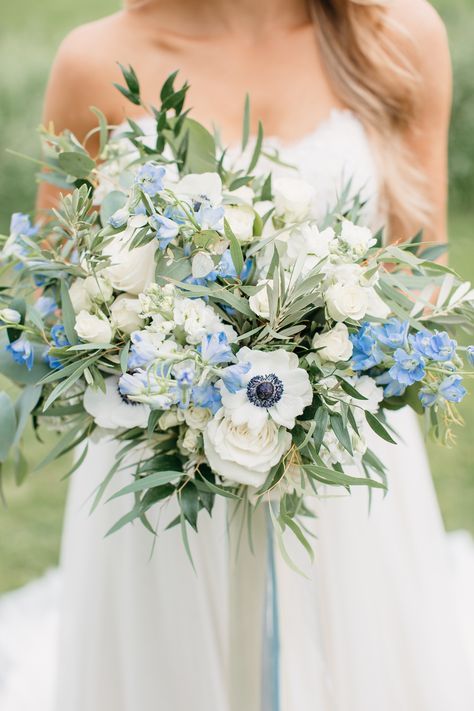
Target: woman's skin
[[227, 48]]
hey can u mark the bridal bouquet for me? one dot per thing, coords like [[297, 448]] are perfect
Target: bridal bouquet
[[190, 305]]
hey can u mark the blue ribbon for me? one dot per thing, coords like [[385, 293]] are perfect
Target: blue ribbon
[[271, 646]]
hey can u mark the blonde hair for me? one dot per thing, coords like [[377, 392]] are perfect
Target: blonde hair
[[372, 76]]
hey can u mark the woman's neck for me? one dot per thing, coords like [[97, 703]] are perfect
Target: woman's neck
[[202, 19]]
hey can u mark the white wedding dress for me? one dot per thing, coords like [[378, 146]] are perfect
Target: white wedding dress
[[371, 627]]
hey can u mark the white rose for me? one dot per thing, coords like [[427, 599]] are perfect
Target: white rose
[[367, 387], [259, 302], [130, 270], [334, 345], [190, 440], [10, 316], [197, 417], [98, 288], [79, 296], [293, 197], [242, 455], [343, 274], [111, 411], [94, 329], [200, 187], [377, 307], [240, 219], [124, 314], [309, 239], [170, 418], [345, 302], [358, 238]]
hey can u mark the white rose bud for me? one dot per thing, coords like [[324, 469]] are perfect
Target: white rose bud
[[94, 329], [170, 418], [79, 296], [99, 288], [10, 316], [293, 198], [124, 314], [334, 345], [346, 302], [240, 219], [358, 238], [259, 302], [190, 440], [197, 417]]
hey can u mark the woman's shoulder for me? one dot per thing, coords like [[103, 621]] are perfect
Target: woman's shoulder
[[420, 25], [83, 73]]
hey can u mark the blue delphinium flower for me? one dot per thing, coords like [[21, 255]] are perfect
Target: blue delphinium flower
[[232, 376], [22, 352], [150, 178], [143, 350], [226, 268], [470, 354], [206, 396], [393, 333], [58, 336], [450, 389], [209, 218], [215, 348], [184, 373], [166, 229], [392, 388], [435, 346], [45, 306], [52, 361], [20, 225], [409, 368], [366, 350]]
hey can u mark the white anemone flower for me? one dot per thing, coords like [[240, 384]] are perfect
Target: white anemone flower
[[274, 387], [112, 411]]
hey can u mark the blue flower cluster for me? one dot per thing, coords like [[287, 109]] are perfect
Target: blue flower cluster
[[400, 359]]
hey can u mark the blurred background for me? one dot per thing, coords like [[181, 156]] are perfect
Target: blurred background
[[30, 31]]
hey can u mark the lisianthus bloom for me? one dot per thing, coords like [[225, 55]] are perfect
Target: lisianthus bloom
[[273, 387]]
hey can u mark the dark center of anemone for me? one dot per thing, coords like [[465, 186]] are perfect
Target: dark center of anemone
[[126, 399], [265, 390]]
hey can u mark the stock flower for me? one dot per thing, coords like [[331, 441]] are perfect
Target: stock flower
[[150, 178], [334, 345], [273, 387], [367, 352], [241, 454], [408, 368], [393, 333], [22, 352], [435, 346], [93, 329], [358, 239], [111, 410], [293, 198]]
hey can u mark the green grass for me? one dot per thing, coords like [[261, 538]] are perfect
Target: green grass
[[30, 32]]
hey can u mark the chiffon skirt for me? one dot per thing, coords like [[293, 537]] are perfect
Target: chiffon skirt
[[369, 626]]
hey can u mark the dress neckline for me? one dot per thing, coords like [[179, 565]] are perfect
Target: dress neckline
[[336, 116]]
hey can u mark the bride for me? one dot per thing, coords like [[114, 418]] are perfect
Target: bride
[[346, 89]]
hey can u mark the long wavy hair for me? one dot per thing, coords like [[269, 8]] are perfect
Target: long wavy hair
[[372, 76]]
